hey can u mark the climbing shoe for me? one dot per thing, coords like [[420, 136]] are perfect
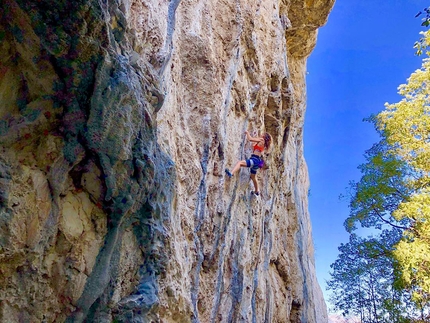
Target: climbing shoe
[[255, 193], [228, 173]]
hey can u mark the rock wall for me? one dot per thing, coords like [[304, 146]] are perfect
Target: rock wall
[[117, 120]]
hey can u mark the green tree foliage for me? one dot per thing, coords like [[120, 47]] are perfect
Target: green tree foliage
[[422, 43], [380, 190], [406, 128], [413, 250], [378, 278], [406, 125], [363, 278]]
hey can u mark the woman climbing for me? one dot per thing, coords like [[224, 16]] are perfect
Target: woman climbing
[[255, 162]]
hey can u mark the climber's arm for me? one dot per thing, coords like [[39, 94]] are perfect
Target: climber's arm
[[252, 139]]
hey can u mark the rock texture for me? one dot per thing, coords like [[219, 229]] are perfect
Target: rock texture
[[117, 119]]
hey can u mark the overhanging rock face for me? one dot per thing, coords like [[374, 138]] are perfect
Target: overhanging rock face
[[117, 120]]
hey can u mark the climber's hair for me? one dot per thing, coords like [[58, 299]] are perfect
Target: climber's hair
[[267, 140]]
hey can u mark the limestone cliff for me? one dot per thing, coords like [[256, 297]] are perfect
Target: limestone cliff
[[117, 119]]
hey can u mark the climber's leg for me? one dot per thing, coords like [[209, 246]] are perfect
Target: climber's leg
[[254, 180], [239, 164]]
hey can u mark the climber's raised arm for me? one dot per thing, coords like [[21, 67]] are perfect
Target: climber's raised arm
[[253, 139]]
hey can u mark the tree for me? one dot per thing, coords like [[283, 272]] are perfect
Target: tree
[[406, 128], [393, 195], [380, 190], [363, 279]]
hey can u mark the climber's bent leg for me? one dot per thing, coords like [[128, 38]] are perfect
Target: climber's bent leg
[[239, 164]]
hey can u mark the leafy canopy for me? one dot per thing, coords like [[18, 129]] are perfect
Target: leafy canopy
[[393, 196], [406, 128]]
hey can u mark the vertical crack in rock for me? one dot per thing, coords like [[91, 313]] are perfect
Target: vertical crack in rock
[[267, 234], [168, 44], [219, 250], [232, 70], [254, 291], [256, 274], [199, 216], [236, 280]]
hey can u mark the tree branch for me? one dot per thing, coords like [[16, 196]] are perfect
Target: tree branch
[[388, 222]]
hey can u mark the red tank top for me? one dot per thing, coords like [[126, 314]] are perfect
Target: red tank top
[[259, 148]]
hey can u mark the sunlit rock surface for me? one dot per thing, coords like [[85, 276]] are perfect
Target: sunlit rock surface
[[117, 120]]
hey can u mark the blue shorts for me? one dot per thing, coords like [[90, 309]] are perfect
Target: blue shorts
[[253, 163]]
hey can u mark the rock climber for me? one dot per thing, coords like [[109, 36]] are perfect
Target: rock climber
[[256, 161]]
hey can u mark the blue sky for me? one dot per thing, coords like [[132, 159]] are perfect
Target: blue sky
[[363, 54]]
